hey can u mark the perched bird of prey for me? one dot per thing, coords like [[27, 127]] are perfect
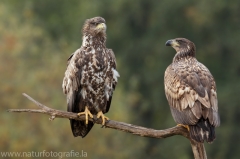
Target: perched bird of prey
[[91, 77], [191, 92]]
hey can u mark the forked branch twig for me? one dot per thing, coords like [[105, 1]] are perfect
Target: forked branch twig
[[198, 148]]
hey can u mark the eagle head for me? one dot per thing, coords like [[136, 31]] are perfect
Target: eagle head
[[95, 26], [181, 45]]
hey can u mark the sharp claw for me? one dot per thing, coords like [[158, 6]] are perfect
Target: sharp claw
[[91, 116], [104, 118], [185, 126]]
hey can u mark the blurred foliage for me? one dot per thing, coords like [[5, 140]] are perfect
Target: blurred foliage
[[36, 38]]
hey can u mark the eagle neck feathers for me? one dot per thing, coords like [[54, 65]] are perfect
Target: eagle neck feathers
[[95, 41], [185, 53]]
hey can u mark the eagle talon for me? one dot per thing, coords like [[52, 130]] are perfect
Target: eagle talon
[[104, 118], [185, 126], [86, 113]]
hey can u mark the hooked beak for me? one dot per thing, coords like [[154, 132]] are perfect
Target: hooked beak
[[172, 43], [101, 27]]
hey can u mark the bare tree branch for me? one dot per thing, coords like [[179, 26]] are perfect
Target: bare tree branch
[[198, 148]]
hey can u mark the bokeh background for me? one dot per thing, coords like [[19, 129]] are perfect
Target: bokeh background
[[37, 37]]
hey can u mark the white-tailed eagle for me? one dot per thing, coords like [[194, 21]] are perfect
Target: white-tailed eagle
[[191, 92], [91, 77]]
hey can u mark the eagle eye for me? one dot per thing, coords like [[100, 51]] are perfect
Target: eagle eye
[[179, 41], [94, 23]]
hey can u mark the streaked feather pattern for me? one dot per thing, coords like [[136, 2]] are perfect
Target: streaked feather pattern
[[91, 76]]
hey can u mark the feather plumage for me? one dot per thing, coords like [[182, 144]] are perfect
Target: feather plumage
[[190, 82], [91, 75]]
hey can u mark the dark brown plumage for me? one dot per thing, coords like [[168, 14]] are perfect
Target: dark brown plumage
[[191, 92], [91, 77]]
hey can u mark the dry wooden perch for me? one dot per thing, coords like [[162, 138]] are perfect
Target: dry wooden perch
[[197, 148]]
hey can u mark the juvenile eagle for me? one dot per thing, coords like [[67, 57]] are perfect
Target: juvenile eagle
[[191, 92], [91, 77]]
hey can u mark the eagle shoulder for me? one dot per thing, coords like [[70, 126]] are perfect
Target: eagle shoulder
[[72, 76]]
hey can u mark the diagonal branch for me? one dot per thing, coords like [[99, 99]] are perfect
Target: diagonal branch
[[198, 148]]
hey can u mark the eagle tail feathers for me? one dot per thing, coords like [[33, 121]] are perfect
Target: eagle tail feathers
[[80, 128], [202, 131]]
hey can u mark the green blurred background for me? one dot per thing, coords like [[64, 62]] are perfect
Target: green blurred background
[[37, 37]]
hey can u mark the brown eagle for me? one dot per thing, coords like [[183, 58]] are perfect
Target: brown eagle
[[191, 92], [91, 77]]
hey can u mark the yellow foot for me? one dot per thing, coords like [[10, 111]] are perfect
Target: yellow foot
[[185, 126], [100, 114], [86, 112]]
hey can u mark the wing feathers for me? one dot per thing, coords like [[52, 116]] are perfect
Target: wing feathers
[[214, 118], [112, 81], [213, 100], [188, 97], [197, 110], [184, 103], [185, 117], [205, 112], [205, 101], [187, 106]]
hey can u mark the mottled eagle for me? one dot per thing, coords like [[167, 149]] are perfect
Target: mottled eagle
[[91, 77], [191, 92]]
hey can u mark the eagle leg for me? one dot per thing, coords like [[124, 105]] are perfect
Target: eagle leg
[[185, 126], [104, 118], [86, 112]]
